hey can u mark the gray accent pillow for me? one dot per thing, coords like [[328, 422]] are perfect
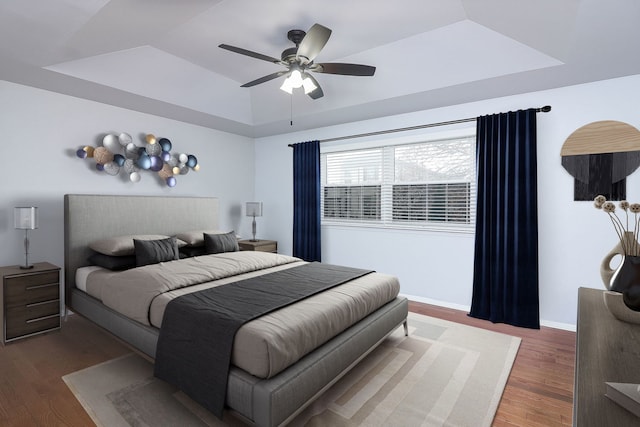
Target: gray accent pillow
[[218, 243], [155, 251]]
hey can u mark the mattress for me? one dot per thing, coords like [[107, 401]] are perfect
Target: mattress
[[83, 273], [267, 345]]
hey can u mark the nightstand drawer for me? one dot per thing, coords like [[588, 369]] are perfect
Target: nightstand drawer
[[19, 284], [28, 313], [27, 320], [271, 247], [258, 245], [18, 293]]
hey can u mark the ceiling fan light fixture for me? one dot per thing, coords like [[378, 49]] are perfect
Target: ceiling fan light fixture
[[286, 86], [308, 85], [295, 79]]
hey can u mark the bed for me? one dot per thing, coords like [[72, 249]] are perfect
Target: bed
[[264, 400]]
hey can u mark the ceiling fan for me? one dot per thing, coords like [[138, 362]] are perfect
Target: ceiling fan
[[299, 61]]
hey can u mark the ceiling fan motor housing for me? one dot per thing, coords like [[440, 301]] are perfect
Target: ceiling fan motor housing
[[289, 55]]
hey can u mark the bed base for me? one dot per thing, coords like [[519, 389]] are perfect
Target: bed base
[[274, 401]]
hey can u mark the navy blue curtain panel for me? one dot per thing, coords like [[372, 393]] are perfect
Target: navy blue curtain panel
[[306, 201], [505, 274]]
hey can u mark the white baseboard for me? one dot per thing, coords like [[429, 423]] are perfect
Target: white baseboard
[[558, 325], [437, 302], [546, 323]]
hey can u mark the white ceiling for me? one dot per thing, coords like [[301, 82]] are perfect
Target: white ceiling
[[162, 56]]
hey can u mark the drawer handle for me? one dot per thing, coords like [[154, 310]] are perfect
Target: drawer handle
[[43, 318], [34, 304], [41, 286]]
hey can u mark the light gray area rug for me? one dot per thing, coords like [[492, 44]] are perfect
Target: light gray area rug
[[443, 374]]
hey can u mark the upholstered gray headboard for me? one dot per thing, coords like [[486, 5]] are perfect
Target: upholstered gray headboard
[[92, 217]]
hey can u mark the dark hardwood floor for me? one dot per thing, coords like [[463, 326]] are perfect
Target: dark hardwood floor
[[32, 392], [538, 393]]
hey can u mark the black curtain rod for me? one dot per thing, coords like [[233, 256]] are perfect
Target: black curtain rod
[[544, 109]]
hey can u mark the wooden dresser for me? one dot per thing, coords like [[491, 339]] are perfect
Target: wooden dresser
[[30, 300], [608, 350]]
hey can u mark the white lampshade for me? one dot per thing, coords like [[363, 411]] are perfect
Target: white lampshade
[[295, 78], [254, 208], [308, 85], [286, 86], [25, 218]]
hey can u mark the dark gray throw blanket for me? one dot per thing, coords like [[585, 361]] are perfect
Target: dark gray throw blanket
[[198, 329]]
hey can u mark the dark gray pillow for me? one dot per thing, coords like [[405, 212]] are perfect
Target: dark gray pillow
[[115, 263], [218, 243], [155, 251]]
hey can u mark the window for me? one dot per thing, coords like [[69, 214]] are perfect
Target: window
[[419, 185]]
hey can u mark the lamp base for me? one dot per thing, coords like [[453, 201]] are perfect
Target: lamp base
[[253, 230], [26, 267]]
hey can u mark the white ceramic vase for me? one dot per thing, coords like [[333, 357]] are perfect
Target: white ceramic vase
[[617, 280]]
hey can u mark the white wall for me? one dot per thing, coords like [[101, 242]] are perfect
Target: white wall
[[41, 132], [573, 236]]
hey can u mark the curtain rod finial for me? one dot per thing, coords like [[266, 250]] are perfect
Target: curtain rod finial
[[546, 108]]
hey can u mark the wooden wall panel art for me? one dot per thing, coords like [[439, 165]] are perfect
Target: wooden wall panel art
[[600, 156]]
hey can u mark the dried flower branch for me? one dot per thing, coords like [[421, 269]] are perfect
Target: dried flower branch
[[629, 246]]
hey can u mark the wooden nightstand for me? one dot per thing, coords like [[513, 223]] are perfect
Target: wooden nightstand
[[258, 245], [30, 300]]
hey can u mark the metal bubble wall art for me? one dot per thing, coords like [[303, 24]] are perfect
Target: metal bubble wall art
[[119, 154]]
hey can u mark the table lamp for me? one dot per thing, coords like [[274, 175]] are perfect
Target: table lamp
[[25, 218], [254, 209]]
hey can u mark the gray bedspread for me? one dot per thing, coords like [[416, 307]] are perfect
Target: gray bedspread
[[198, 329], [264, 346]]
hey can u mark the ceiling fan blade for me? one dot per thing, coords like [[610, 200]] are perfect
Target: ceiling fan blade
[[344, 69], [313, 42], [317, 93], [265, 78], [250, 53]]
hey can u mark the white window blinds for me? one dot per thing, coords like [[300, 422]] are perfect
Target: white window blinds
[[352, 185], [420, 185]]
